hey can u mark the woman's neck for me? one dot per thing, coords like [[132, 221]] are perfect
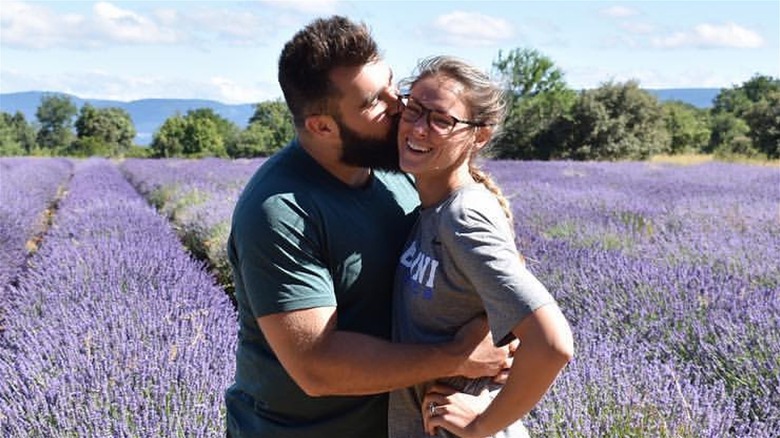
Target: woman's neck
[[434, 188]]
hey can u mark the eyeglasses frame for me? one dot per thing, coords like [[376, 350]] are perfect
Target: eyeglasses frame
[[427, 113]]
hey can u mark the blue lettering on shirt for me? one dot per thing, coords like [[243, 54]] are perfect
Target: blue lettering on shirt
[[420, 270]]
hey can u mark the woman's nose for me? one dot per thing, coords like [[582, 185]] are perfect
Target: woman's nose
[[420, 126]]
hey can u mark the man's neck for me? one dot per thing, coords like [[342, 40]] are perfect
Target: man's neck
[[330, 160]]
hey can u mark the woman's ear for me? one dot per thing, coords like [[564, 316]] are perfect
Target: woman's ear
[[320, 125], [482, 136]]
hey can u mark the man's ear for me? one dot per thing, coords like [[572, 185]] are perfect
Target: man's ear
[[320, 126]]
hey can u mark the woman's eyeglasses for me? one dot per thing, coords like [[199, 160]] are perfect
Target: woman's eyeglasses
[[439, 122]]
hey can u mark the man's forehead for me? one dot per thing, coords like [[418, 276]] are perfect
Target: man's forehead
[[368, 77]]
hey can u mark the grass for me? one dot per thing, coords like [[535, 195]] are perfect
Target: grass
[[694, 159]]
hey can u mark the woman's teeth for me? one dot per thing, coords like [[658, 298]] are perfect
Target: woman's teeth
[[417, 148]]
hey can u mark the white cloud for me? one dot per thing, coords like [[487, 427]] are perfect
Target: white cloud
[[36, 26], [471, 29], [98, 84], [619, 12], [125, 26], [727, 35], [33, 26], [236, 26]]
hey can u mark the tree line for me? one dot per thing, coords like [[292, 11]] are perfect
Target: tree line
[[547, 120]]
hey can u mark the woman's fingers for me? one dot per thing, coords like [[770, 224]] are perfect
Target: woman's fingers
[[444, 407]]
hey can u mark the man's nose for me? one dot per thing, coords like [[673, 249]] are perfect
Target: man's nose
[[392, 102]]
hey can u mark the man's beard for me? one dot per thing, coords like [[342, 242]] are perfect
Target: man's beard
[[362, 151]]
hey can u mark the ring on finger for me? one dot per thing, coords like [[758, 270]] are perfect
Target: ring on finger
[[432, 409]]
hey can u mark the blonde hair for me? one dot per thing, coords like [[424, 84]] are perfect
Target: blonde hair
[[486, 101]]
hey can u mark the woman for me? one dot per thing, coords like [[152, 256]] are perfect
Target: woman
[[461, 261]]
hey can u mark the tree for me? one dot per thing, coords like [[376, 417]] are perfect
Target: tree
[[254, 141], [730, 136], [110, 132], [537, 98], [55, 115], [199, 133], [688, 127], [276, 118], [763, 119], [737, 100], [529, 73], [616, 121], [9, 143], [227, 130], [17, 137], [167, 141], [745, 120]]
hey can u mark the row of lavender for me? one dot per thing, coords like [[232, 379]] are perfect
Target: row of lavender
[[116, 329], [198, 197], [668, 274], [671, 279], [28, 187]]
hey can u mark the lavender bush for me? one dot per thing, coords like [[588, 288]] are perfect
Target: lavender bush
[[198, 197], [669, 276], [28, 188], [117, 331]]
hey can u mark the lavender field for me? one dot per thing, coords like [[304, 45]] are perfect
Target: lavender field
[[116, 320]]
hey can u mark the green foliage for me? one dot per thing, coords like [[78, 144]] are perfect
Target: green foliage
[[17, 137], [254, 141], [55, 115], [529, 73], [167, 141], [199, 133], [136, 151], [614, 122], [730, 136], [103, 131], [9, 144], [538, 99], [738, 100], [688, 127], [270, 129], [88, 147], [763, 119], [746, 119]]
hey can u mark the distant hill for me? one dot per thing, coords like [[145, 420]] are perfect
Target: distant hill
[[698, 97], [149, 114]]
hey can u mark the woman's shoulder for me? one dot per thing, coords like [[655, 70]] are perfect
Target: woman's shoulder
[[471, 203]]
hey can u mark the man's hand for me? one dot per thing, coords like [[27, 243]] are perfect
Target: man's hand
[[482, 358]]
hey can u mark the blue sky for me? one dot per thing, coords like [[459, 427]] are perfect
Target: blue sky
[[227, 51]]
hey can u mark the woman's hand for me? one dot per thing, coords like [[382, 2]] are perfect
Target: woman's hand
[[455, 411]]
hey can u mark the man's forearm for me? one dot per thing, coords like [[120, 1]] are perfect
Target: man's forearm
[[351, 363]]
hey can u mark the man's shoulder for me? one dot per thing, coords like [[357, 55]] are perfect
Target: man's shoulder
[[280, 179]]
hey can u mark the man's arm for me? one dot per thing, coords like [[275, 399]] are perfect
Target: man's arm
[[325, 361]]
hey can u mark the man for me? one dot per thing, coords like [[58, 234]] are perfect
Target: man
[[315, 240]]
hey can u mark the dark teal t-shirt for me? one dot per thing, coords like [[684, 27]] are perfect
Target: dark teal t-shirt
[[300, 238]]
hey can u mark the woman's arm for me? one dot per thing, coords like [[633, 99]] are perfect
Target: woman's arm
[[546, 346]]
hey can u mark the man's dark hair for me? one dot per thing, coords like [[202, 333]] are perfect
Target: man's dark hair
[[309, 57]]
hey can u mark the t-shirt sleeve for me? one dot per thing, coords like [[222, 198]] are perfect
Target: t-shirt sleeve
[[483, 249], [282, 267]]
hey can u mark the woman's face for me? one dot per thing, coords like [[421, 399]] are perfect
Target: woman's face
[[427, 147]]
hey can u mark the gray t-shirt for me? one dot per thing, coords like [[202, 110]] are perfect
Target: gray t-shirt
[[460, 261]]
